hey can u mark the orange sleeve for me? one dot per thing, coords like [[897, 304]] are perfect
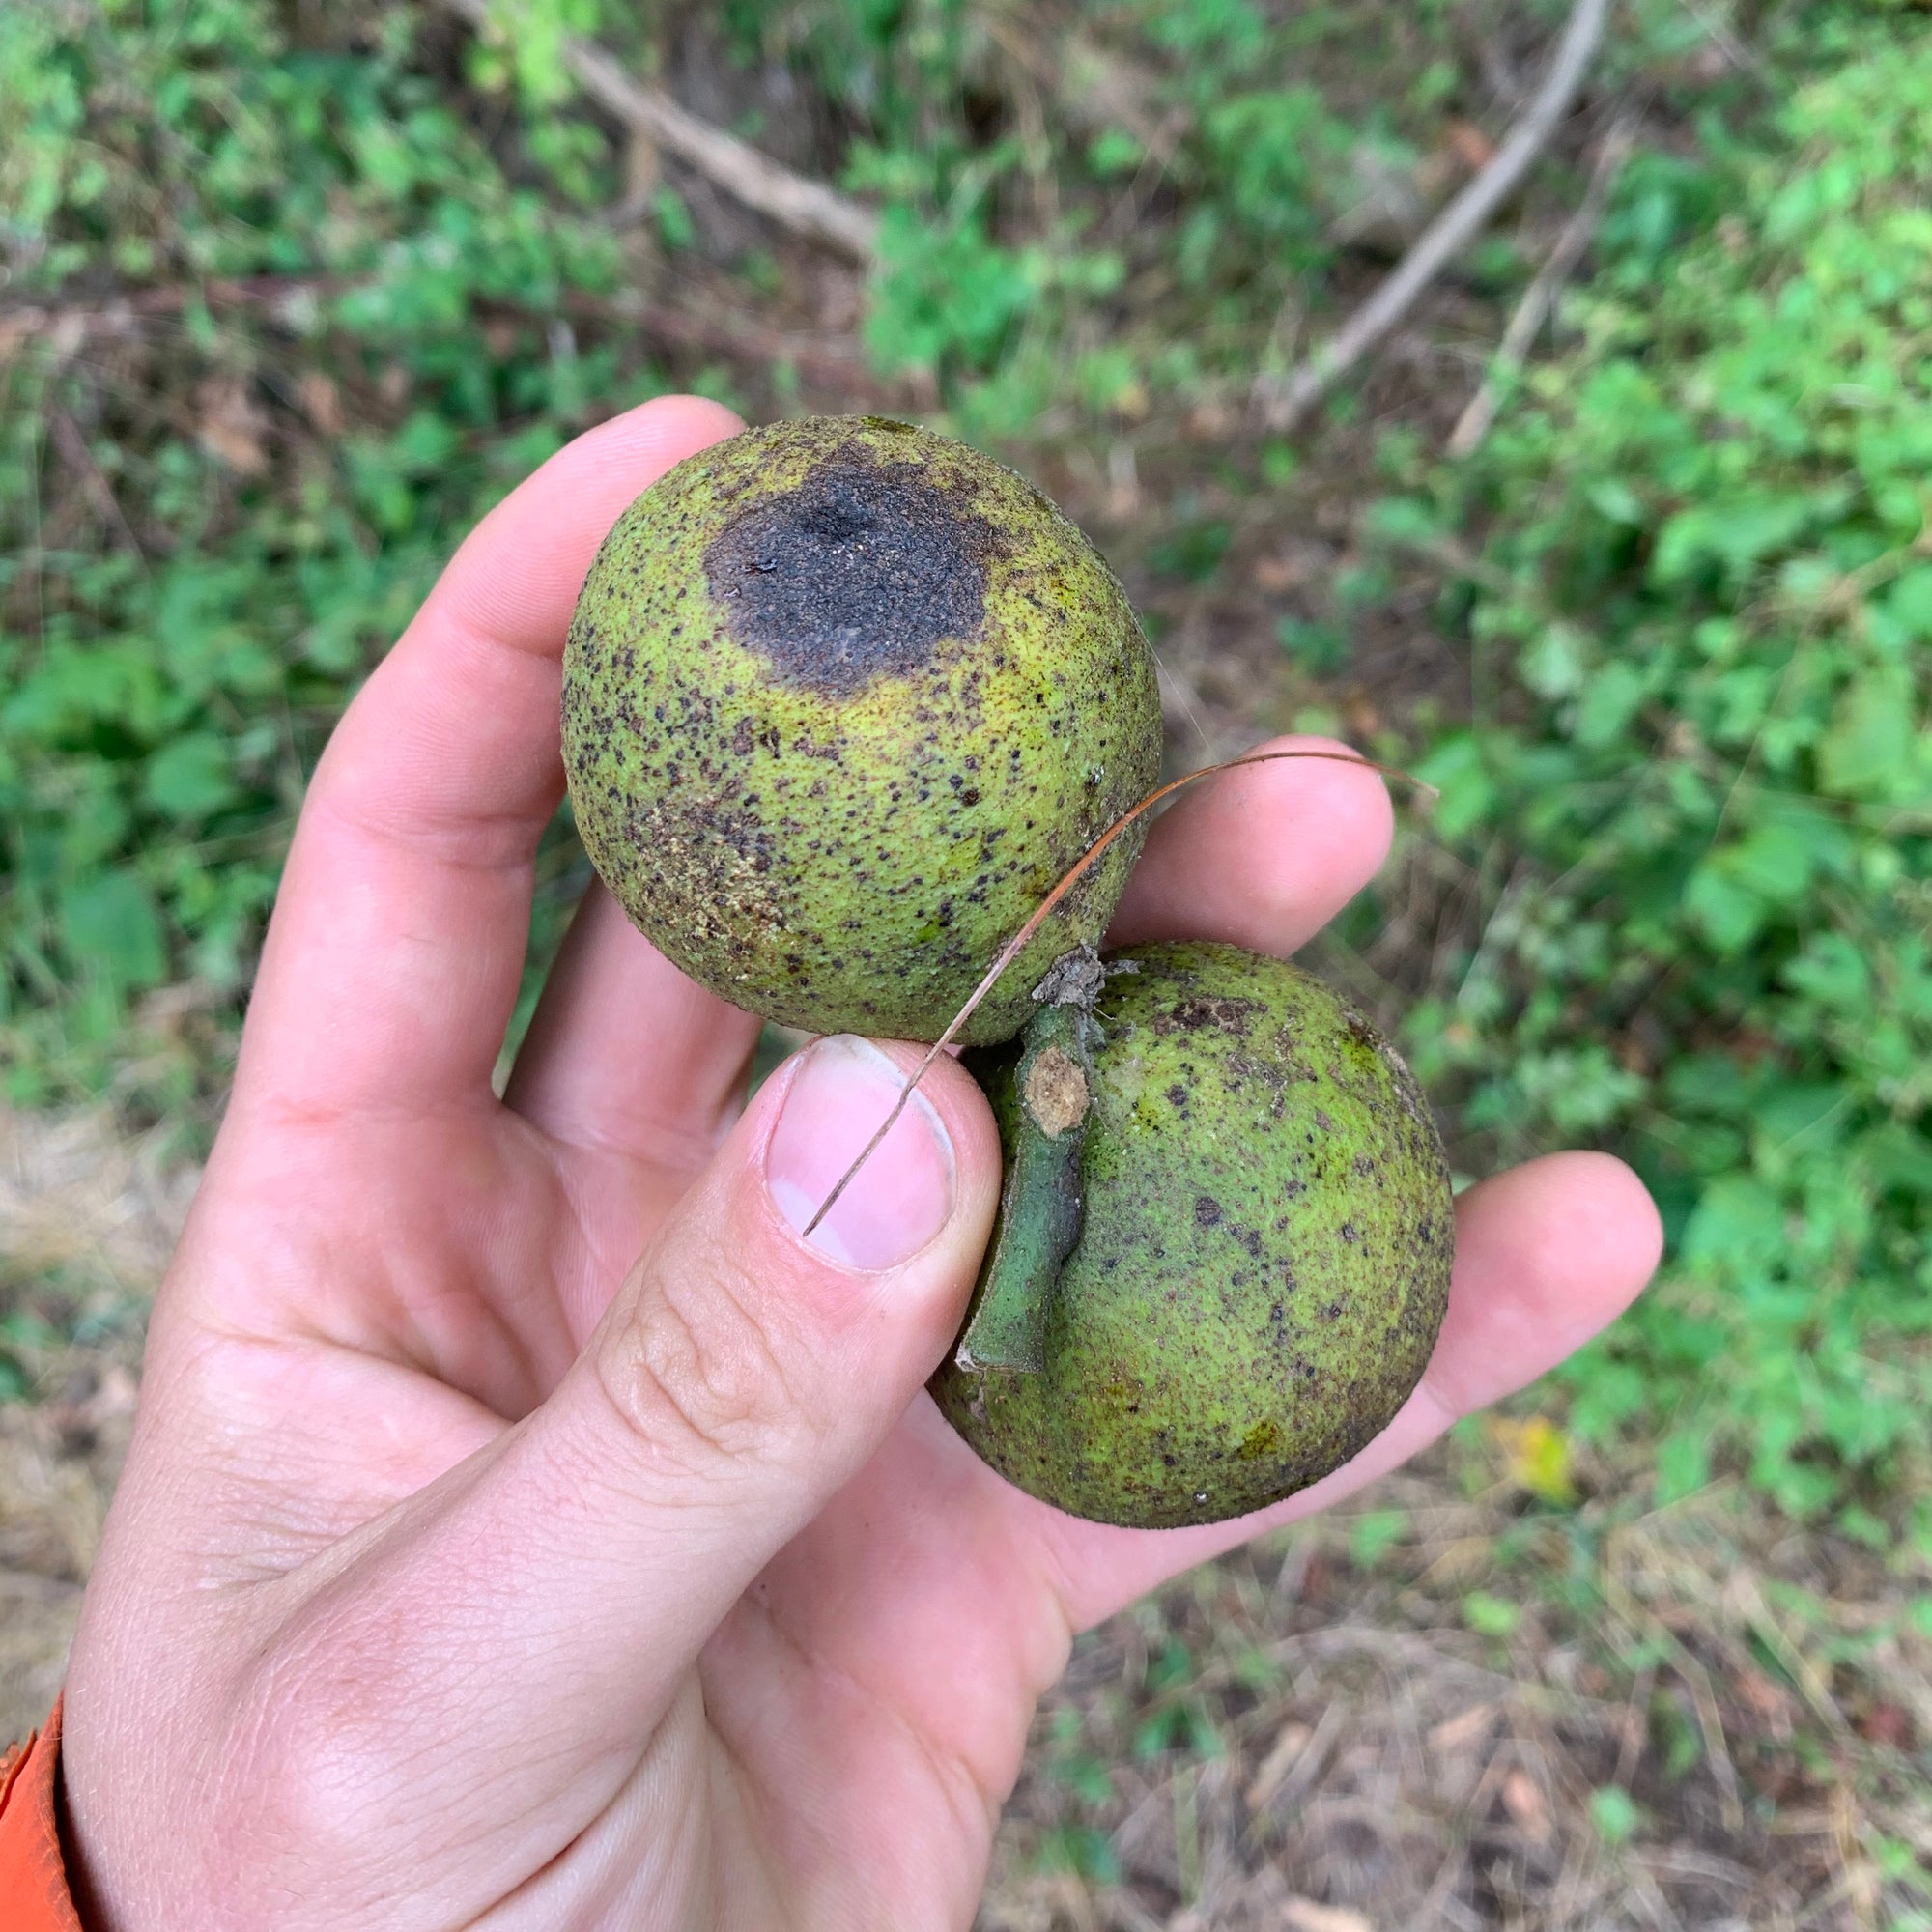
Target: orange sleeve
[[33, 1894]]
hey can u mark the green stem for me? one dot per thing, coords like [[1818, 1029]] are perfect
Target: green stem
[[1040, 1204]]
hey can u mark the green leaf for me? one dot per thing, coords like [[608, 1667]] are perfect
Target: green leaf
[[1614, 1814], [1175, 1665], [675, 228], [1608, 703], [1082, 1850], [1616, 499], [190, 777], [1810, 1112], [110, 924], [1322, 648], [1552, 664], [1726, 911], [1405, 520], [1682, 1466], [1867, 751], [1491, 1616], [1192, 553], [1775, 862], [1458, 771], [1374, 1534], [1909, 603], [1738, 1219], [1114, 151]]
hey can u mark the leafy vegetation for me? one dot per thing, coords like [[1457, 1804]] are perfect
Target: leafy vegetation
[[288, 295], [182, 626], [1698, 780]]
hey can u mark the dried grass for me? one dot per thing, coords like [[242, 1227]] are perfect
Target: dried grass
[[1359, 1759], [88, 1219], [76, 1196]]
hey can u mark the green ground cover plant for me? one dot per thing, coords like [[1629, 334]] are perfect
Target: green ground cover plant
[[1693, 567], [285, 300], [356, 350]]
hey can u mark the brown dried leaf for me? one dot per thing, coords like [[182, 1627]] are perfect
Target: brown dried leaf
[[1279, 1762], [1304, 1915], [1887, 1724], [1464, 1731], [232, 428], [1526, 1803], [1470, 145], [1211, 421], [321, 403]]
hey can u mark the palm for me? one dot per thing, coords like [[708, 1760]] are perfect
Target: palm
[[391, 1272]]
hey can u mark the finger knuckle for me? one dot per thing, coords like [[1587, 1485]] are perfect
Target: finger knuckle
[[698, 1380]]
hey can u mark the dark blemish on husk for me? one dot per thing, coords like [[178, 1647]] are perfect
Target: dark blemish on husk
[[865, 569], [1226, 1015]]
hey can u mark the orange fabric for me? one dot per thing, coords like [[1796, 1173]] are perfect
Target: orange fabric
[[33, 1894]]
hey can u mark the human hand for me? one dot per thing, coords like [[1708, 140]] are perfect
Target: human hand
[[524, 1525]]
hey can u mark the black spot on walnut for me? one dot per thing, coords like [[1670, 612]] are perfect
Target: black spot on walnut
[[1225, 1016], [865, 569]]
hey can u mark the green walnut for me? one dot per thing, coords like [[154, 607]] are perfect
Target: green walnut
[[842, 700], [1224, 1242]]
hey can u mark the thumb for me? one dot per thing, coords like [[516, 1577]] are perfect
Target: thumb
[[741, 1376], [748, 1370]]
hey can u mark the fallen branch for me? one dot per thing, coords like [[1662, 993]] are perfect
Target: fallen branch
[[69, 324], [833, 359], [806, 207], [1540, 297], [1283, 401]]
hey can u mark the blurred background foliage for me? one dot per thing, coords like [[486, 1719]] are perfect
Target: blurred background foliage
[[290, 293]]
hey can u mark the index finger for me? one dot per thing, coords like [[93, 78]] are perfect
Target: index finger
[[1261, 855], [393, 960]]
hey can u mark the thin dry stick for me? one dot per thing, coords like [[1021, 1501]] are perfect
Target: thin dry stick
[[808, 208], [278, 297], [1284, 401], [824, 357], [1540, 297], [93, 484], [1039, 914]]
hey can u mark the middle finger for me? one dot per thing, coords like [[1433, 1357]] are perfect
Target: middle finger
[[626, 1054]]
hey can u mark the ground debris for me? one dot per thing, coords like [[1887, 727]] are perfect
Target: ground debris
[[1292, 1740]]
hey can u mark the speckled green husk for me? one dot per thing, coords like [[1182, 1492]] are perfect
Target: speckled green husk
[[840, 835], [1263, 1263]]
